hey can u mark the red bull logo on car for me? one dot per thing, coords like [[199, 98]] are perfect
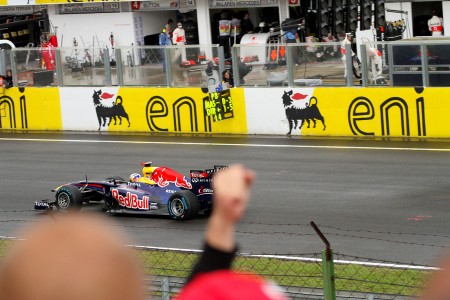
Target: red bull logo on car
[[164, 176], [131, 200]]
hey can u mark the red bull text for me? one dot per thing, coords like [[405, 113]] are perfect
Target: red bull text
[[131, 200]]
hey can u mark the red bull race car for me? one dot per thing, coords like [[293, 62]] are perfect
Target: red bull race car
[[159, 191]]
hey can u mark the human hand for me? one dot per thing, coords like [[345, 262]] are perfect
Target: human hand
[[231, 195], [232, 192]]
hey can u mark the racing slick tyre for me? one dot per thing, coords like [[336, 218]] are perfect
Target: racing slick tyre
[[69, 197], [183, 205]]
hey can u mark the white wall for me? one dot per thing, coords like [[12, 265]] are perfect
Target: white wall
[[89, 25], [401, 6], [446, 17]]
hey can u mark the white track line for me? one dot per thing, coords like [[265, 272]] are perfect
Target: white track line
[[285, 257], [228, 144]]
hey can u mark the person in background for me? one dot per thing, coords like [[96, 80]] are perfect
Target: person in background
[[290, 36], [52, 39], [346, 41], [164, 40], [168, 27], [235, 30], [71, 257], [246, 24], [8, 79], [435, 25], [212, 277], [179, 38], [227, 79], [48, 54], [224, 33]]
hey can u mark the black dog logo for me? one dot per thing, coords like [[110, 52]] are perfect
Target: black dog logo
[[105, 112], [295, 114]]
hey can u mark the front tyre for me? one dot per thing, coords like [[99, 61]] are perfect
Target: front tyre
[[68, 197], [183, 205]]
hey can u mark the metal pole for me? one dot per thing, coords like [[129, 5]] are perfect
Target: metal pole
[[107, 66], [12, 54], [165, 289], [349, 64], [119, 67], [235, 64], [290, 63], [221, 60], [329, 288], [59, 68], [364, 64], [167, 61], [424, 60], [391, 63], [2, 62]]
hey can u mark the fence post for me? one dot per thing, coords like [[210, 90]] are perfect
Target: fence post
[[165, 289], [349, 64], [329, 289], [59, 67], [107, 67], [119, 66]]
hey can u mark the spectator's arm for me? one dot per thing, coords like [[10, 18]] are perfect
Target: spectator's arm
[[231, 194]]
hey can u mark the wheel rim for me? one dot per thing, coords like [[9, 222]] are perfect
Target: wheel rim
[[63, 200], [177, 207]]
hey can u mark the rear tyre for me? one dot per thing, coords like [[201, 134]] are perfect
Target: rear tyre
[[69, 198], [183, 205]]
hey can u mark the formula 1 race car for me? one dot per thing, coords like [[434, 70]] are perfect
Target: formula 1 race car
[[161, 191]]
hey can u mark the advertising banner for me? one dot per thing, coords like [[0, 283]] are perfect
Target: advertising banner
[[30, 109], [154, 4], [386, 112], [183, 110]]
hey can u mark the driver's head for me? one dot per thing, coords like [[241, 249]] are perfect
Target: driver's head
[[135, 177], [71, 257]]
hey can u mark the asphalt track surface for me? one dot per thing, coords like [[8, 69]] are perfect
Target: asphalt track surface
[[379, 199]]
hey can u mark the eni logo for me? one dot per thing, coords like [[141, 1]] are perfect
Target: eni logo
[[184, 108], [12, 113], [361, 109]]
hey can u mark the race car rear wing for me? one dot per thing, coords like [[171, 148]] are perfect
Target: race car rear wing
[[201, 179]]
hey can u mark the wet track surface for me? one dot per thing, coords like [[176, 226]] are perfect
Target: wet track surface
[[384, 200]]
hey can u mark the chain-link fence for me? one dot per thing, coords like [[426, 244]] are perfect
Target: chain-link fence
[[321, 275]]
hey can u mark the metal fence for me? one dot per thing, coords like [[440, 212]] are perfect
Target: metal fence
[[376, 64], [321, 275]]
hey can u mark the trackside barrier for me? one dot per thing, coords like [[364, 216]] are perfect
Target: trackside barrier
[[325, 275], [380, 64]]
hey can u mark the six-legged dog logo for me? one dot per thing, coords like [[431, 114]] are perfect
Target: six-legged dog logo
[[108, 111]]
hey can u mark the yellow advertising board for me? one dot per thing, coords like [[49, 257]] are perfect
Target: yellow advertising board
[[72, 1], [395, 112], [182, 110], [30, 109]]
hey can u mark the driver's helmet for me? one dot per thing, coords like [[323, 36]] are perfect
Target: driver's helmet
[[135, 177]]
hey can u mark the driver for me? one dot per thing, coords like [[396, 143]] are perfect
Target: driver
[[147, 172]]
